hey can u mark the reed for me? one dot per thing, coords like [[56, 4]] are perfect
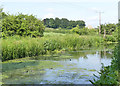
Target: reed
[[19, 47]]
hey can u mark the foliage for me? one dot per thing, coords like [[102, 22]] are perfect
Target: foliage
[[76, 29], [2, 14], [115, 34], [84, 31], [19, 47], [23, 25], [109, 28], [110, 38], [51, 45], [63, 23], [109, 74]]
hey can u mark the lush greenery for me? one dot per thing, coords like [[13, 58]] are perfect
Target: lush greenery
[[20, 28], [62, 23], [84, 31], [19, 47], [23, 25], [109, 74], [18, 42], [109, 28], [107, 38]]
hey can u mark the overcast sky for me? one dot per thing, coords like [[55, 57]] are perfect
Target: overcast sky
[[86, 10]]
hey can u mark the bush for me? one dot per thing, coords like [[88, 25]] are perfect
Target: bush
[[23, 25], [84, 31]]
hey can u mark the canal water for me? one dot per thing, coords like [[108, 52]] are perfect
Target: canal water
[[73, 67]]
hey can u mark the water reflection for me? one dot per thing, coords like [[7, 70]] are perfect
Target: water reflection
[[80, 68]]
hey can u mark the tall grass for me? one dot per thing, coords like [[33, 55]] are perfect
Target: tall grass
[[19, 47]]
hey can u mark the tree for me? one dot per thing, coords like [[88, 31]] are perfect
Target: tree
[[46, 22], [80, 23], [72, 24], [62, 23], [52, 23], [57, 22]]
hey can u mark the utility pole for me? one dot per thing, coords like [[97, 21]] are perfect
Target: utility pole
[[99, 22]]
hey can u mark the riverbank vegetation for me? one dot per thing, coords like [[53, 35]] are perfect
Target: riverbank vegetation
[[19, 47]]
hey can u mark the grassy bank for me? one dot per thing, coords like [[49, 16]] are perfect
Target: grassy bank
[[19, 47]]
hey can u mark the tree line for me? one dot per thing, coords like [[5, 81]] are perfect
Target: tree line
[[62, 23]]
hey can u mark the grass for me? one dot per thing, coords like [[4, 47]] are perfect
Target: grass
[[20, 47]]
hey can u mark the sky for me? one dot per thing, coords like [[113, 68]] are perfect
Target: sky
[[86, 10]]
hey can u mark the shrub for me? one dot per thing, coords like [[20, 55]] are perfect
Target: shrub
[[84, 31], [22, 25]]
